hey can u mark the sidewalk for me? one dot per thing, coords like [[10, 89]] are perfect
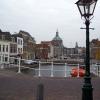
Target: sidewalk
[[14, 86]]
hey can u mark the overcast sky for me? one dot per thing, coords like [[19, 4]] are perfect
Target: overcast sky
[[42, 18]]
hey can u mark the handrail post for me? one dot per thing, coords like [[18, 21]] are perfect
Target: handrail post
[[39, 69], [2, 66], [52, 69], [19, 69], [78, 70], [65, 70]]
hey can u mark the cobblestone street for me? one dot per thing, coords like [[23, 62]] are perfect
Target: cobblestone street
[[14, 86]]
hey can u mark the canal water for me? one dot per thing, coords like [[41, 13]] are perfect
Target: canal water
[[55, 71]]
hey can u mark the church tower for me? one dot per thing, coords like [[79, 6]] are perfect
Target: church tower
[[76, 48], [58, 45]]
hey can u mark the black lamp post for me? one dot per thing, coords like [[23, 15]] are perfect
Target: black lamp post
[[86, 9]]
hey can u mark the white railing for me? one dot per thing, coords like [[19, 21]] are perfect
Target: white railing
[[95, 69], [51, 69]]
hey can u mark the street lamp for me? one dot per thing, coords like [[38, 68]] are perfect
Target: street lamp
[[86, 9]]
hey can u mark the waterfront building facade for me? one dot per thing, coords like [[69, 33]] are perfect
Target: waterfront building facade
[[29, 45], [4, 46], [95, 49], [42, 51], [16, 45], [9, 46], [50, 49]]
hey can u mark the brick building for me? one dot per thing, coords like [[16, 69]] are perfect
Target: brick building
[[42, 51], [28, 45], [95, 49]]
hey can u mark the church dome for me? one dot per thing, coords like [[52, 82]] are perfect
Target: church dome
[[57, 37]]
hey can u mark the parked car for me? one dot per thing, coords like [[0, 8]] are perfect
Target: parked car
[[29, 62]]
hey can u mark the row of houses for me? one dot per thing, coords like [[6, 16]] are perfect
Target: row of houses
[[23, 45], [16, 45], [10, 45], [55, 49]]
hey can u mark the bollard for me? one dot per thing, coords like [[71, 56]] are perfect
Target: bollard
[[40, 92], [78, 70]]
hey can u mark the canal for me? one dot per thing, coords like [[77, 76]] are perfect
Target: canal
[[53, 71]]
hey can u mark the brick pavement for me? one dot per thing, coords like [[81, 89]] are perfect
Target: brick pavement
[[15, 86]]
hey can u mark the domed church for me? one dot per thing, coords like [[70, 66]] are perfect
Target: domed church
[[58, 46]]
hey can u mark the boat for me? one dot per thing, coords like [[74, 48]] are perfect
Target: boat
[[77, 72]]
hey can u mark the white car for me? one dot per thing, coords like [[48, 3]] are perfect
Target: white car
[[30, 62]]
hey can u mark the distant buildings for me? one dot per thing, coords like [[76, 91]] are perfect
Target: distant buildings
[[55, 49], [42, 51], [50, 49], [74, 53], [57, 43], [23, 45]]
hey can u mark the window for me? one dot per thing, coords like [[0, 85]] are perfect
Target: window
[[3, 48], [18, 41], [13, 48], [6, 48], [21, 42], [6, 59], [19, 50]]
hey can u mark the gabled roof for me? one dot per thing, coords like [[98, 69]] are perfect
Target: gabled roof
[[26, 36], [17, 35], [6, 35]]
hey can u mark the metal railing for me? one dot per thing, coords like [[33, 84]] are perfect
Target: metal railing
[[39, 70]]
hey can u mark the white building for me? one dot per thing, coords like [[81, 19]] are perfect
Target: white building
[[4, 51], [4, 46], [10, 46], [19, 45]]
